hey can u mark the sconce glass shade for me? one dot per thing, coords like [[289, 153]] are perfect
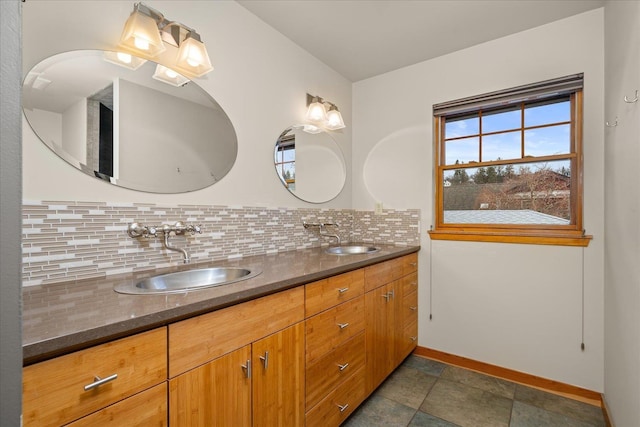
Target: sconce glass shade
[[141, 34], [312, 129], [316, 111], [167, 75], [124, 60], [193, 58], [334, 119]]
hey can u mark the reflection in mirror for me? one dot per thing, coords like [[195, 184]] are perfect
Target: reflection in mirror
[[118, 122], [309, 163]]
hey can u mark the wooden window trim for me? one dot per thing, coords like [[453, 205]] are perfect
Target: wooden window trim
[[561, 235]]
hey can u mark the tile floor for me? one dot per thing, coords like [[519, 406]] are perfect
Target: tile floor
[[423, 392]]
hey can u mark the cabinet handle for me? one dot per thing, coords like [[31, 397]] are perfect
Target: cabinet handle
[[97, 381], [414, 283], [265, 359], [343, 325], [343, 407], [391, 293], [247, 368], [343, 367], [414, 338], [413, 264], [342, 290], [413, 308], [386, 296]]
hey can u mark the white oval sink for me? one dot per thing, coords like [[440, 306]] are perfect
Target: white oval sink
[[351, 250], [188, 280]]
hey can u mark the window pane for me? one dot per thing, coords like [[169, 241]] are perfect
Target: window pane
[[501, 120], [548, 113], [289, 171], [501, 146], [289, 155], [530, 193], [547, 141], [462, 151], [464, 126]]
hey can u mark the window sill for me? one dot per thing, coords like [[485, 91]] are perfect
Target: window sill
[[555, 239]]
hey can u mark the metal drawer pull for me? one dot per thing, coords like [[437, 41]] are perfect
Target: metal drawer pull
[[413, 308], [247, 368], [414, 283], [343, 325], [265, 359], [343, 290], [413, 264], [414, 338], [343, 367], [386, 296], [343, 407], [99, 381], [391, 294]]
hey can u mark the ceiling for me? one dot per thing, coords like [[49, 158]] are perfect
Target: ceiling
[[365, 38]]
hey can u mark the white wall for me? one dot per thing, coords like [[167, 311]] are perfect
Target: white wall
[[517, 306], [74, 130], [260, 79], [622, 210]]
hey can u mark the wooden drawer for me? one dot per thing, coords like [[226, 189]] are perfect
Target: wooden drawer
[[409, 283], [148, 408], [408, 341], [331, 370], [54, 391], [385, 272], [329, 329], [407, 264], [327, 293], [409, 312], [339, 404], [198, 340]]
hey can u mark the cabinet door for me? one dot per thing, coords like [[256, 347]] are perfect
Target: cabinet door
[[217, 393], [380, 334], [278, 378]]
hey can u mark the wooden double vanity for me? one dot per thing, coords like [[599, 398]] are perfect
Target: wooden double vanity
[[305, 355]]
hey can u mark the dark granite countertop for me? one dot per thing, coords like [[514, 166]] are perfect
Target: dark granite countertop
[[65, 317]]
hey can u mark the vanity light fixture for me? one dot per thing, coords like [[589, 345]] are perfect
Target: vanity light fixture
[[167, 75], [124, 59], [146, 32], [318, 114]]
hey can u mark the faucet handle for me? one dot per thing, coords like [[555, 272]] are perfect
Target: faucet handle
[[196, 229]]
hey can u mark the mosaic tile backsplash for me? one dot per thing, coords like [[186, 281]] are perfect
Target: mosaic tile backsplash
[[65, 241]]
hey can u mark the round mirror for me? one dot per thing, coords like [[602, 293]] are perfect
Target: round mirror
[[129, 121], [309, 163]]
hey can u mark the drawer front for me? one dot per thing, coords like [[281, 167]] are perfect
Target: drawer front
[[198, 340], [378, 275], [148, 408], [330, 371], [329, 329], [54, 390], [409, 283], [409, 308], [339, 404], [407, 264], [327, 293], [407, 341]]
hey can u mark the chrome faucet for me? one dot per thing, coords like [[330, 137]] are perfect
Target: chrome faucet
[[322, 229], [136, 230]]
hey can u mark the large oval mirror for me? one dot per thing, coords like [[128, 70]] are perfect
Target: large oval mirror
[[129, 121], [309, 163]]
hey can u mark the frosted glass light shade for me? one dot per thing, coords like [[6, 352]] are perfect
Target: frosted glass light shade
[[167, 75], [141, 34], [193, 58], [316, 111], [124, 60], [334, 119]]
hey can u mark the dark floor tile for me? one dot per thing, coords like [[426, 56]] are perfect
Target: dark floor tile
[[427, 366], [380, 411], [524, 415], [560, 405], [467, 406], [407, 386], [420, 419], [474, 379]]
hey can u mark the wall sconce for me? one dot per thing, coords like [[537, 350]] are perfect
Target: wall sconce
[[124, 59], [167, 75], [147, 30], [318, 113]]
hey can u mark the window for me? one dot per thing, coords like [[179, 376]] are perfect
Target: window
[[509, 165], [285, 160]]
